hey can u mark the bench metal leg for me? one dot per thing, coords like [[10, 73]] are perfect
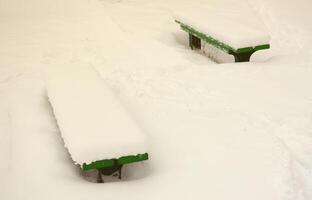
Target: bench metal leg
[[110, 171], [100, 179], [242, 57], [194, 42], [119, 172]]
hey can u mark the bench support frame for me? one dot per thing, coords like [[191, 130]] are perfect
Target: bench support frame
[[109, 171], [194, 42], [242, 57], [111, 166]]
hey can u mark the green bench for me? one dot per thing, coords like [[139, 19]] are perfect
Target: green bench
[[111, 166], [240, 54]]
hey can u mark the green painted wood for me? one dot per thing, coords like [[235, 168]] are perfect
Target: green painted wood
[[131, 159], [206, 38], [244, 50], [98, 164], [261, 47], [111, 162]]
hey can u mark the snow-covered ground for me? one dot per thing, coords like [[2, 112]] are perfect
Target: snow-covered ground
[[221, 131]]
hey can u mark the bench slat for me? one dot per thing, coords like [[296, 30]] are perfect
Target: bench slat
[[110, 162]]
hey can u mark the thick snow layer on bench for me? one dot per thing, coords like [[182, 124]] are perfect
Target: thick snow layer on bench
[[230, 22], [93, 123]]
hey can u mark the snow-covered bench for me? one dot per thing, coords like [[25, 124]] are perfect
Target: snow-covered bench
[[234, 31], [97, 131]]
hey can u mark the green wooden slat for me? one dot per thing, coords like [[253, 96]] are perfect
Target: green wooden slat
[[98, 164], [208, 39], [131, 159], [110, 162], [261, 47], [245, 49]]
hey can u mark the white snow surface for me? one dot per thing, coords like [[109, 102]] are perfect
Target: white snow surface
[[93, 124], [226, 131], [229, 21]]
